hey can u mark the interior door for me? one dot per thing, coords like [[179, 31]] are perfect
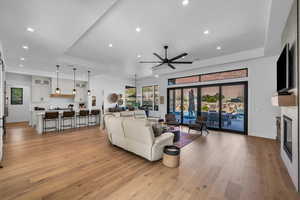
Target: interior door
[[18, 112]]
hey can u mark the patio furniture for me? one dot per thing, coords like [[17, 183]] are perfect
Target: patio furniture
[[171, 120], [199, 125]]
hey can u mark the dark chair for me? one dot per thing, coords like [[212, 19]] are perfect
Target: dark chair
[[82, 119], [94, 117], [67, 116], [199, 125], [171, 120], [51, 117]]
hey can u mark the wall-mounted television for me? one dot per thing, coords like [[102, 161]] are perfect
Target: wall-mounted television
[[284, 71]]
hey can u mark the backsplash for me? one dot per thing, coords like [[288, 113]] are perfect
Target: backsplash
[[56, 102]]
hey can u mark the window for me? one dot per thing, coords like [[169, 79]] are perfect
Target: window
[[16, 96], [184, 80], [150, 97], [156, 97], [240, 73], [224, 75], [130, 96]]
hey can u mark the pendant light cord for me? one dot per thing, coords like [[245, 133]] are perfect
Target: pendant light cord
[[89, 79], [57, 69], [74, 69]]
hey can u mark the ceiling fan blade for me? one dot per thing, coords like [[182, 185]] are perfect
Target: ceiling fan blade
[[172, 66], [158, 65], [158, 56], [150, 62], [183, 62], [179, 56]]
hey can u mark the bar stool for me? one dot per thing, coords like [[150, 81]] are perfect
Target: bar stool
[[94, 114], [67, 116], [83, 114], [51, 117]]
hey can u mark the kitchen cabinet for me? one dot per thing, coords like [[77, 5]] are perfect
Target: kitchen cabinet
[[81, 92], [40, 90], [65, 86]]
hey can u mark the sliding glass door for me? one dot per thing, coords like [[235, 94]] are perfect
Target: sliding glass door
[[210, 105], [190, 103], [223, 105], [233, 107], [174, 101]]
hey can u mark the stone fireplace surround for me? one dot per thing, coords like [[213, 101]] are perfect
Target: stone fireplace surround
[[291, 164]]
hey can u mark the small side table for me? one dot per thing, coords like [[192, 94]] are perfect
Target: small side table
[[171, 157]]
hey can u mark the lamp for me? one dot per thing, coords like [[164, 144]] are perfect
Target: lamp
[[57, 90], [89, 91], [74, 72]]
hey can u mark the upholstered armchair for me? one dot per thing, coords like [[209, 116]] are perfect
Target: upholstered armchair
[[171, 120]]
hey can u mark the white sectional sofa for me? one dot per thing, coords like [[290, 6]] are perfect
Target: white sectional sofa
[[136, 135]]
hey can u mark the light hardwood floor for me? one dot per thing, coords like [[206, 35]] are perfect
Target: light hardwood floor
[[82, 165]]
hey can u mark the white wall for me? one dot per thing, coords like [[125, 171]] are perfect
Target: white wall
[[102, 86], [289, 35], [261, 87], [2, 70]]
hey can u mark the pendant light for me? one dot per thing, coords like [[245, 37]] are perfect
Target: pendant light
[[74, 72], [57, 90], [89, 91]]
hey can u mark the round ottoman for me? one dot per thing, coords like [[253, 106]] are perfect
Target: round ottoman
[[171, 156]]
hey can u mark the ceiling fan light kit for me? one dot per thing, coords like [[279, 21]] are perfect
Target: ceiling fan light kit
[[167, 61]]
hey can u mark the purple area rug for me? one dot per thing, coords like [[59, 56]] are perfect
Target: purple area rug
[[186, 139]]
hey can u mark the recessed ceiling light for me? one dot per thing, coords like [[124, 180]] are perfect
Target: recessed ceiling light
[[25, 47], [110, 45], [29, 29], [22, 59], [139, 55], [206, 32], [185, 2], [219, 47], [156, 75], [20, 65], [138, 29]]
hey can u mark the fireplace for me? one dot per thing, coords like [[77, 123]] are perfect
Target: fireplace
[[287, 136]]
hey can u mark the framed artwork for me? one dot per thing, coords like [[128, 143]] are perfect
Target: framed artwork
[[162, 100], [16, 96], [93, 100]]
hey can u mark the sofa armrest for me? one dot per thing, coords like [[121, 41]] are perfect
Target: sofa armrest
[[153, 119], [164, 138], [159, 144]]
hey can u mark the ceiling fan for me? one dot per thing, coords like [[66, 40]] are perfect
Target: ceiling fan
[[168, 61]]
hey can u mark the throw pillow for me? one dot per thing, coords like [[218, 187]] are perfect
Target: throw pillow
[[157, 129]]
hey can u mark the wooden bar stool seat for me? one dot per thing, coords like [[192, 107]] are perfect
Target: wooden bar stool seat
[[50, 117], [94, 117], [82, 119], [67, 116]]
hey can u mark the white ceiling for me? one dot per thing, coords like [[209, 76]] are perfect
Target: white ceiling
[[77, 32]]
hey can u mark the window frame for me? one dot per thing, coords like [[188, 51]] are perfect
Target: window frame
[[11, 96], [153, 104], [210, 73]]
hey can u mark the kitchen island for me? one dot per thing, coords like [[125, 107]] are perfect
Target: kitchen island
[[39, 115]]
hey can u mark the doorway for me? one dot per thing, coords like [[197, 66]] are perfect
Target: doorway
[[18, 103], [224, 105]]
